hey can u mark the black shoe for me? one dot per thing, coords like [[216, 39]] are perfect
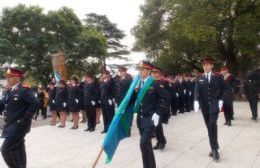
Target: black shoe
[[61, 126], [103, 132], [253, 118], [92, 129], [229, 123], [211, 153], [83, 121], [226, 123], [162, 146], [215, 155], [129, 133], [74, 127], [88, 129], [156, 146]]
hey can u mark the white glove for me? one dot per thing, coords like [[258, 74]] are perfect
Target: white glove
[[220, 104], [93, 103], [190, 93], [110, 102], [177, 94], [155, 119], [53, 101], [99, 102], [184, 91], [77, 101], [64, 104], [196, 106]]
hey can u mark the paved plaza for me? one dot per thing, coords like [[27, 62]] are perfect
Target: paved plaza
[[187, 145]]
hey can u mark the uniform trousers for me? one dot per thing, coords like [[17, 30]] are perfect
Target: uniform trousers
[[13, 152], [211, 124]]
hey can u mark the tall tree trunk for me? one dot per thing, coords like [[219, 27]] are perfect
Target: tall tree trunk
[[231, 58]]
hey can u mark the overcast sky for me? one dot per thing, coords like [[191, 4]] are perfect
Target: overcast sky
[[124, 13]]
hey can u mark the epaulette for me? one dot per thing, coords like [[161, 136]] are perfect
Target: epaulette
[[161, 86], [216, 73], [128, 76], [199, 75], [158, 81], [229, 78]]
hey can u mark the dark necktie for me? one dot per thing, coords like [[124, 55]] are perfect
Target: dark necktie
[[7, 94], [208, 78]]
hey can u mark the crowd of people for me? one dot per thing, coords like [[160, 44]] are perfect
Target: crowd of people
[[90, 96], [164, 95]]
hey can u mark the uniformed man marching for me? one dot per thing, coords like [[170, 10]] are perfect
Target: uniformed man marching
[[148, 114], [251, 87], [122, 84], [228, 94], [187, 93], [174, 95], [20, 105], [209, 90], [159, 133], [181, 92], [106, 99], [91, 94]]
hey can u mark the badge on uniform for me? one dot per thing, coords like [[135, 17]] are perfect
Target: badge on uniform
[[137, 89], [16, 97]]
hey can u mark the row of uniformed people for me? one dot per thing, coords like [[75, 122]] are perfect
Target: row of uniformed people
[[109, 92], [87, 96], [76, 96], [182, 89]]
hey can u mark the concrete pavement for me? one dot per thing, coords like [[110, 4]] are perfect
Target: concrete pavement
[[187, 145]]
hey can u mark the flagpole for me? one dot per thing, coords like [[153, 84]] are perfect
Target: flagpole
[[98, 157]]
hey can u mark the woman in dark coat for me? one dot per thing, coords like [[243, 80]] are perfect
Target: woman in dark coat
[[74, 95], [51, 102], [61, 102]]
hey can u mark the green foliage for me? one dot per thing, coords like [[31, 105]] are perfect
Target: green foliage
[[28, 37], [185, 31], [110, 32], [92, 41]]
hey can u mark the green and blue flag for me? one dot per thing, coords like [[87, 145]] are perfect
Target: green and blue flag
[[122, 121]]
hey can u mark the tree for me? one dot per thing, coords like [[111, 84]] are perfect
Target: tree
[[186, 31], [22, 39], [110, 32], [65, 33], [90, 43], [28, 38]]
